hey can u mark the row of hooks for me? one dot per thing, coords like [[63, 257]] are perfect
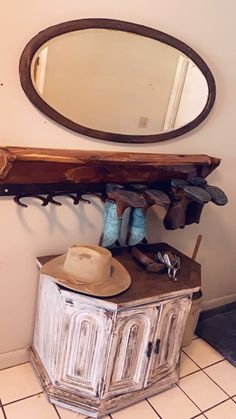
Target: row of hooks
[[49, 199]]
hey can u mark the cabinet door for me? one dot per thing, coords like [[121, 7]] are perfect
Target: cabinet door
[[130, 350], [47, 331], [84, 350], [167, 339]]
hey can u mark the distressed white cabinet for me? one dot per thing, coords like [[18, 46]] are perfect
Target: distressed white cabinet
[[95, 356]]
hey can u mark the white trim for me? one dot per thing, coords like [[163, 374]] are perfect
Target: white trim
[[10, 359], [41, 69], [217, 302], [176, 93]]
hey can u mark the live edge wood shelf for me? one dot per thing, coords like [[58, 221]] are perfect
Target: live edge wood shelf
[[98, 355], [37, 170]]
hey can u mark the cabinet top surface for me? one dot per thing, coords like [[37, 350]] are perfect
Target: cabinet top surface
[[148, 285]]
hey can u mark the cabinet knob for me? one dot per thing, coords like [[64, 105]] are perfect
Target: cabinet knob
[[157, 347], [149, 350]]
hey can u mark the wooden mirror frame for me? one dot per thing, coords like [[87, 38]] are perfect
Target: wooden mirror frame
[[75, 25]]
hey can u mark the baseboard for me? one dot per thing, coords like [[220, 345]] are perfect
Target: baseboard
[[217, 302], [10, 359]]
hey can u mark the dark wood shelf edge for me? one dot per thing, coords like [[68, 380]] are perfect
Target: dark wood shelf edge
[[22, 166]]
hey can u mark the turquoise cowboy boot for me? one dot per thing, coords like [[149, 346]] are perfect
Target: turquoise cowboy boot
[[112, 219], [112, 225], [138, 227]]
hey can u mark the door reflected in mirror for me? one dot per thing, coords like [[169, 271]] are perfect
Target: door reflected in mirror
[[119, 83]]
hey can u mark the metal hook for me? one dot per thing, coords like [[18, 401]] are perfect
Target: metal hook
[[52, 201], [74, 198], [78, 198], [19, 197]]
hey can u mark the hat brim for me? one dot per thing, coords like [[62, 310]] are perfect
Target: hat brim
[[119, 281]]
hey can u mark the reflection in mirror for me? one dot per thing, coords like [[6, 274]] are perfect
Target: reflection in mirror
[[117, 81]]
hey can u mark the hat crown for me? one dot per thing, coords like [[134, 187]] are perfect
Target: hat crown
[[89, 264]]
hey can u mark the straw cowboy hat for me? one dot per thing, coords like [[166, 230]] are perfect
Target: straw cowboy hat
[[89, 270]]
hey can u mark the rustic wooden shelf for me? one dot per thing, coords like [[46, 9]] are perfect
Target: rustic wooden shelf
[[35, 170]]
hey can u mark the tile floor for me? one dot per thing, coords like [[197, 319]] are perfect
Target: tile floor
[[207, 389]]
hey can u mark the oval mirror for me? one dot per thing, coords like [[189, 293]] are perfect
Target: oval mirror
[[117, 81]]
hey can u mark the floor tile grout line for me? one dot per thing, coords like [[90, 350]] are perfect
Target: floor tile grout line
[[214, 363], [2, 410], [216, 383], [150, 404], [206, 410], [4, 413], [58, 414], [218, 404], [190, 373], [198, 415], [210, 365], [23, 398], [182, 350], [202, 368], [189, 398], [14, 366]]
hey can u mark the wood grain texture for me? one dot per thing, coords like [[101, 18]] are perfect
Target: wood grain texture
[[6, 160], [147, 286], [98, 355], [81, 24], [97, 363], [93, 408], [44, 166]]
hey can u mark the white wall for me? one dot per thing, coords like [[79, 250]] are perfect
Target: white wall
[[209, 28]]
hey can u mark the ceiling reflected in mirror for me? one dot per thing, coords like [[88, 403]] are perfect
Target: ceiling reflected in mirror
[[123, 83]]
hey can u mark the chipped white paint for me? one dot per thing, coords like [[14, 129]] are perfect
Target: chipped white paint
[[95, 357]]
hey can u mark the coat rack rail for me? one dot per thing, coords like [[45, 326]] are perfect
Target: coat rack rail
[[143, 180], [35, 169]]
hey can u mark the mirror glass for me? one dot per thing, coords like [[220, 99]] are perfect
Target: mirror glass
[[121, 84]]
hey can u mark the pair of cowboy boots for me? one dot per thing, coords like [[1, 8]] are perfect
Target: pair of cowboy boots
[[138, 199], [188, 200]]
